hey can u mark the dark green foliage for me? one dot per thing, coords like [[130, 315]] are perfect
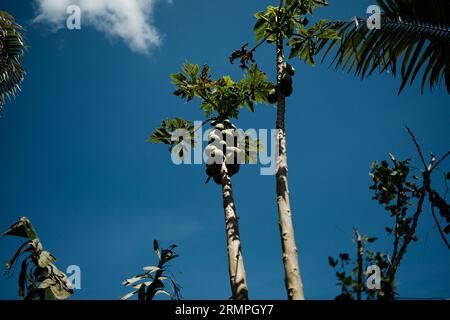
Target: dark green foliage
[[223, 95], [12, 48], [396, 190], [290, 21], [165, 134], [393, 190], [39, 278], [221, 101], [403, 196], [414, 39], [347, 273], [243, 55], [155, 278]]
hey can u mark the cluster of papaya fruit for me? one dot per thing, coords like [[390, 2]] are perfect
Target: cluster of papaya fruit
[[285, 85], [222, 146]]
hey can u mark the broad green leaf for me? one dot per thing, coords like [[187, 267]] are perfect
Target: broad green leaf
[[23, 228], [128, 295], [151, 269], [45, 259]]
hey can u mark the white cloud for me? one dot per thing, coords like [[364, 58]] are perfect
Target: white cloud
[[129, 20]]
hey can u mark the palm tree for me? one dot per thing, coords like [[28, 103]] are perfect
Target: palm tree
[[281, 26], [222, 100], [414, 38], [12, 48]]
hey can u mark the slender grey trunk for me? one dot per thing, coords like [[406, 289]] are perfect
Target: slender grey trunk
[[238, 278], [293, 280]]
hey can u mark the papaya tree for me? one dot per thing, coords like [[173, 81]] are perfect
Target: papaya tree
[[12, 48], [153, 281], [287, 25], [228, 147], [39, 278], [404, 196]]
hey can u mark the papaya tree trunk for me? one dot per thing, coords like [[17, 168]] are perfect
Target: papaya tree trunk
[[238, 278], [293, 280]]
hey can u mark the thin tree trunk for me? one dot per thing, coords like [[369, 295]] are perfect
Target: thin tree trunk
[[293, 280], [238, 278], [396, 259], [360, 253]]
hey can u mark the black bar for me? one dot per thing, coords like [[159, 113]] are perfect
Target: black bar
[[208, 309]]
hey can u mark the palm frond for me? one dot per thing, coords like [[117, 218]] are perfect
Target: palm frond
[[414, 38], [12, 48]]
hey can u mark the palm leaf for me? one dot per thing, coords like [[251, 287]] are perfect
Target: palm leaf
[[12, 48], [413, 32]]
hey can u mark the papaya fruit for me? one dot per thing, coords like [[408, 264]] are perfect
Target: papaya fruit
[[287, 91], [290, 69], [286, 79], [218, 179], [212, 170], [286, 85], [234, 155], [233, 169], [228, 136], [213, 137], [213, 154], [220, 126], [272, 96], [222, 146]]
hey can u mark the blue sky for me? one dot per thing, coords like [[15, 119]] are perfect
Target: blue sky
[[74, 158]]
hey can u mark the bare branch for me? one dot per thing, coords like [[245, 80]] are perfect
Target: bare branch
[[440, 161], [439, 227], [360, 252], [418, 148]]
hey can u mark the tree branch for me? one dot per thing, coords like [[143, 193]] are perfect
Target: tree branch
[[418, 148], [412, 230], [439, 227], [440, 161], [360, 252], [260, 43]]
